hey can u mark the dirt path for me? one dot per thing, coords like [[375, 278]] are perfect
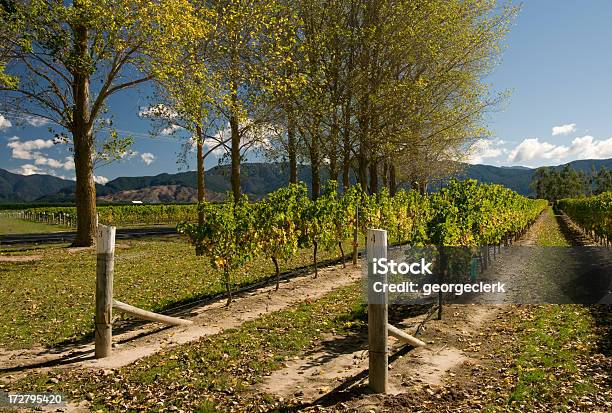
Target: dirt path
[[578, 272], [338, 360], [208, 320]]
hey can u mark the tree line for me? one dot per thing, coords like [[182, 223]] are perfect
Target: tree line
[[385, 91], [554, 184]]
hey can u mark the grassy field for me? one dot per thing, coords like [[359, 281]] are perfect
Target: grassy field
[[9, 226], [549, 363], [50, 298]]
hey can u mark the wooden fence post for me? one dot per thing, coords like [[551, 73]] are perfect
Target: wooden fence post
[[356, 235], [377, 314], [104, 290]]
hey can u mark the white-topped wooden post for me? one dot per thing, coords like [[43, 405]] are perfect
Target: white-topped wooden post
[[104, 290], [377, 313]]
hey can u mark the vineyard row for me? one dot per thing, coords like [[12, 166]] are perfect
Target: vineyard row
[[462, 214], [593, 214]]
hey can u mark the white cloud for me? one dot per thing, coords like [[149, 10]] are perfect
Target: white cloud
[[67, 164], [586, 147], [31, 151], [36, 121], [28, 169], [53, 163], [102, 180], [4, 123], [147, 158], [484, 149], [532, 148], [564, 129], [158, 111], [28, 150], [170, 130]]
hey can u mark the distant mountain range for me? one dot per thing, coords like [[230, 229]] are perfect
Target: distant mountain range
[[258, 179]]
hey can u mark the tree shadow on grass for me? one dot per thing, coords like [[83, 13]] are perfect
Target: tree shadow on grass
[[602, 314]]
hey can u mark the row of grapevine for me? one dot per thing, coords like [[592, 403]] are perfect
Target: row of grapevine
[[55, 217], [468, 214], [593, 214], [462, 214], [116, 214]]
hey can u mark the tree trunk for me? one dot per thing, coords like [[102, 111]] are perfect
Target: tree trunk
[[314, 254], [385, 174], [200, 172], [373, 177], [315, 165], [355, 236], [291, 147], [364, 135], [342, 254], [85, 194], [363, 167], [228, 288], [346, 145], [83, 140], [392, 179], [235, 155], [423, 186], [333, 150], [200, 161]]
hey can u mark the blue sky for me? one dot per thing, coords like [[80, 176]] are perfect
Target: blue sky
[[556, 64]]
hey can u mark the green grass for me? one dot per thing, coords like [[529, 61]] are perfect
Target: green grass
[[550, 234], [10, 226], [551, 351], [51, 300], [552, 346], [217, 371]]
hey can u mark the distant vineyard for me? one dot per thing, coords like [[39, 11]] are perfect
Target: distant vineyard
[[115, 214], [593, 214]]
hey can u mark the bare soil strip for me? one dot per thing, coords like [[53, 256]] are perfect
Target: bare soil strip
[[308, 378]]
